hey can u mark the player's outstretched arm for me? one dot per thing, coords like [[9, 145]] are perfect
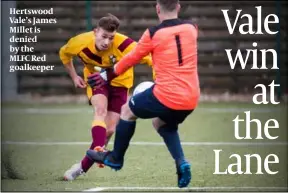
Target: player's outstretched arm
[[142, 49]]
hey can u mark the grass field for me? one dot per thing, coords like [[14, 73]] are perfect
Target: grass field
[[52, 133]]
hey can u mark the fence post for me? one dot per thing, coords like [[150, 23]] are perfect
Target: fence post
[[88, 11]]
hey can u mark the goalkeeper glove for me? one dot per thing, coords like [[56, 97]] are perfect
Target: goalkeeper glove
[[99, 79]]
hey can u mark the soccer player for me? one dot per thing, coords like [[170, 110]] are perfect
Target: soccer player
[[173, 45], [102, 47]]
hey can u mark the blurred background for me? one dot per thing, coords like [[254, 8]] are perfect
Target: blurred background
[[39, 141], [216, 76]]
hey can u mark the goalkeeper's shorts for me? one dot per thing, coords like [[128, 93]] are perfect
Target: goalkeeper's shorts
[[146, 106]]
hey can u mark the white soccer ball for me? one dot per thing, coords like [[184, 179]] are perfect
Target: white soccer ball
[[142, 87]]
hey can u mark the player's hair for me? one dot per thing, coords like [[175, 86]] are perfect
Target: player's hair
[[168, 5], [109, 23]]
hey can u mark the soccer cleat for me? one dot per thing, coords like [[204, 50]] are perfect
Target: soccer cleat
[[100, 149], [105, 158], [75, 171], [184, 175]]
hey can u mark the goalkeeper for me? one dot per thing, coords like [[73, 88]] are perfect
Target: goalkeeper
[[173, 44]]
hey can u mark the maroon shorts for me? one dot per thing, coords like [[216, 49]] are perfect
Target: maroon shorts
[[117, 97]]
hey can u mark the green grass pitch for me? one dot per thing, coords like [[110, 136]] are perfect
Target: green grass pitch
[[148, 166]]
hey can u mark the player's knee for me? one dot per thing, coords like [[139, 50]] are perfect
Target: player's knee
[[99, 103], [157, 123], [154, 123], [127, 114], [100, 113]]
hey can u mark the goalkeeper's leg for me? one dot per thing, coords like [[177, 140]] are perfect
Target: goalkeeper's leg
[[169, 133], [167, 127]]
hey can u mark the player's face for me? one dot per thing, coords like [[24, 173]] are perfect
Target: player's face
[[104, 38]]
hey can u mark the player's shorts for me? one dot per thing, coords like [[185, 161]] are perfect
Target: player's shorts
[[117, 96], [146, 106]]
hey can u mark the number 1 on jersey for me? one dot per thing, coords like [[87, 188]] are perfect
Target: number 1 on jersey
[[179, 50]]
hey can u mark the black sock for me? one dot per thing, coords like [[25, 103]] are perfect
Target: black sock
[[170, 135], [124, 132]]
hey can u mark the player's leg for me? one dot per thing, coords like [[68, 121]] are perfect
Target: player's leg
[[111, 120], [167, 127], [117, 98], [124, 132], [144, 105], [170, 135], [98, 100]]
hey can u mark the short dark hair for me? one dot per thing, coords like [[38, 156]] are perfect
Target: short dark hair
[[168, 5], [109, 23]]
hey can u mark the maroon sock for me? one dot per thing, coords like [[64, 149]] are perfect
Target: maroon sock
[[99, 138]]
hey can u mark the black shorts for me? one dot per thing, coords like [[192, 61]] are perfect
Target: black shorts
[[146, 106]]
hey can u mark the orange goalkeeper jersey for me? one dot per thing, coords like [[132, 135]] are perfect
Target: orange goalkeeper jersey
[[83, 46], [173, 45]]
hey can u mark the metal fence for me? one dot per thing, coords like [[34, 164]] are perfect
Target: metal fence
[[215, 72]]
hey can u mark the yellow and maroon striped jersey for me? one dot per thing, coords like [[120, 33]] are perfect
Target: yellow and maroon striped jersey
[[84, 47]]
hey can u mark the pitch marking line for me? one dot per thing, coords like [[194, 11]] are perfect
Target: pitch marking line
[[142, 143], [188, 189], [81, 110]]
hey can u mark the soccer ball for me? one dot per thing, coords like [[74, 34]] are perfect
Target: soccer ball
[[142, 87]]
